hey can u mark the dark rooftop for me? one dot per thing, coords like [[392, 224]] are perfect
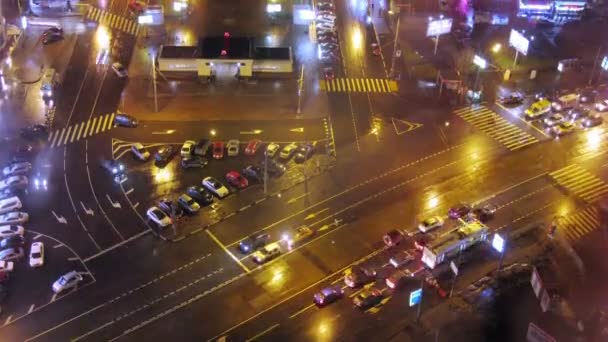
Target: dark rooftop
[[221, 47], [283, 53], [171, 51]]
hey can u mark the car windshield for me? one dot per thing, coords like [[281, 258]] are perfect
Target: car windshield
[[158, 213], [190, 202], [36, 255], [63, 281]]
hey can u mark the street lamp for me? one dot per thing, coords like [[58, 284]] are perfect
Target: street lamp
[[496, 48]]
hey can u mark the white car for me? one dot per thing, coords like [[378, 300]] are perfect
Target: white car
[[14, 182], [233, 147], [119, 69], [140, 152], [6, 266], [67, 281], [16, 217], [430, 223], [215, 187], [37, 254], [288, 151], [187, 148], [6, 231], [267, 253], [10, 204], [159, 217], [17, 169], [272, 149], [601, 106]]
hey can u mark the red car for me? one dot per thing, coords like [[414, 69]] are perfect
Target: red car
[[136, 6], [329, 74], [218, 149], [252, 146], [234, 178]]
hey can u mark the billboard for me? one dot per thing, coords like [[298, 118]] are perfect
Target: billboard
[[604, 64], [439, 27], [519, 42]]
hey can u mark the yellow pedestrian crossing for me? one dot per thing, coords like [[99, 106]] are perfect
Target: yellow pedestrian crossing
[[359, 85], [113, 21], [580, 182], [81, 130], [576, 226], [494, 125]]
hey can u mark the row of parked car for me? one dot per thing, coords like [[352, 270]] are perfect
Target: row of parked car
[[328, 49]]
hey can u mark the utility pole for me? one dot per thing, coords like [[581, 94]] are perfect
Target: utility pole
[[300, 89], [395, 47], [152, 57], [597, 57], [265, 172]]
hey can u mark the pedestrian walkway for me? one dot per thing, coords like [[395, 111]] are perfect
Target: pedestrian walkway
[[113, 21], [359, 85], [81, 130], [494, 125], [580, 182], [575, 227]]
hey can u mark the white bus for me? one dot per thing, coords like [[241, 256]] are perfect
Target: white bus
[[448, 245]]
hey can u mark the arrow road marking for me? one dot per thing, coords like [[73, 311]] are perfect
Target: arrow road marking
[[313, 215], [114, 204], [59, 219], [252, 132], [87, 210], [298, 130], [402, 126], [165, 132], [324, 227]]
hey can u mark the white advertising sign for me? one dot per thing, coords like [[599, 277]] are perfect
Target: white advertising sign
[[439, 27], [519, 42]]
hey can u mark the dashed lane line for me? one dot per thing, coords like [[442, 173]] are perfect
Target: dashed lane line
[[262, 333]]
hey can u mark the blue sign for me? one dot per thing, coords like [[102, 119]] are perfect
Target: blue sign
[[415, 297]]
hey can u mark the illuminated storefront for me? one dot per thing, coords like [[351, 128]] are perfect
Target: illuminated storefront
[[552, 10]]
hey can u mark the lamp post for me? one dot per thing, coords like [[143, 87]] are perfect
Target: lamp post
[[481, 64], [300, 90], [152, 57]]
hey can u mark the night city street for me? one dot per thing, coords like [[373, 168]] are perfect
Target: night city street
[[295, 170]]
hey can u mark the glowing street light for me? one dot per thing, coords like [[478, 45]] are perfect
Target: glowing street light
[[213, 132], [496, 48], [357, 39], [102, 37]]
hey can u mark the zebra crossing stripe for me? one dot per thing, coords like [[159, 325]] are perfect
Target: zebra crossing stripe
[[67, 136], [111, 123], [51, 135], [86, 129], [105, 123], [137, 27], [74, 132], [99, 122], [80, 131], [92, 130]]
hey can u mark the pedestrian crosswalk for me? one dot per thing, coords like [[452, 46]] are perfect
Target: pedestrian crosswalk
[[494, 125], [113, 21], [580, 182], [576, 226], [81, 130], [359, 85]]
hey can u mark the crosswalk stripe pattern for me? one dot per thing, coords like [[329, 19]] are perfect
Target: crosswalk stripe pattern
[[81, 130], [580, 182], [576, 226], [113, 21], [359, 85], [494, 125]]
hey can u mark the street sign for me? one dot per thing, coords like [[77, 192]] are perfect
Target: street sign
[[519, 42], [536, 334], [498, 243], [415, 297], [454, 267], [439, 27], [605, 63], [536, 282]]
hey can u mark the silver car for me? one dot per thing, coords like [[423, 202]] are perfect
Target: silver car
[[11, 254], [17, 169], [67, 281], [14, 182], [16, 217]]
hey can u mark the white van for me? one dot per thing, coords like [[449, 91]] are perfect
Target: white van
[[564, 102], [47, 83]]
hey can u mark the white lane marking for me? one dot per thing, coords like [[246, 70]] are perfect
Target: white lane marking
[[129, 191], [8, 319], [37, 237], [31, 308], [58, 245]]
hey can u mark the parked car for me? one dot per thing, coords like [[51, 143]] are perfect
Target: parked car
[[164, 154], [254, 173], [198, 162], [14, 183], [6, 266], [159, 217], [37, 254], [188, 203], [36, 131], [67, 281], [187, 149], [119, 69], [271, 149], [328, 295], [12, 242], [15, 217], [11, 254], [253, 242], [202, 147], [215, 187], [218, 149], [267, 253], [430, 223], [140, 152], [10, 204], [237, 180], [17, 169], [200, 194], [252, 146], [233, 147], [125, 120], [170, 208], [368, 298], [275, 168], [10, 230], [303, 153]]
